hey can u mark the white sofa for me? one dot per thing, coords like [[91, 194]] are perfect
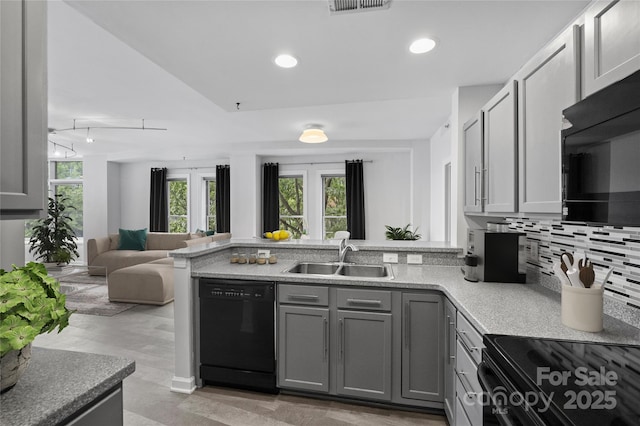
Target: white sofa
[[103, 256]]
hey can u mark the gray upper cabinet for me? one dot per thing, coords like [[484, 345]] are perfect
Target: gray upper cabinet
[[364, 354], [500, 174], [23, 109], [422, 347], [472, 130], [547, 84], [611, 43], [303, 348]]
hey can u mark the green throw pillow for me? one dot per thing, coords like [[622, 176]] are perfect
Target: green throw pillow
[[209, 233], [131, 239]]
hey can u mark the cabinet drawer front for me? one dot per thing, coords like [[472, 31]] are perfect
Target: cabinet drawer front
[[471, 338], [303, 295], [468, 405], [369, 300], [467, 370]]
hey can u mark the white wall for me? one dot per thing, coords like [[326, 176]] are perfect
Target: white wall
[[421, 188], [440, 155], [245, 186]]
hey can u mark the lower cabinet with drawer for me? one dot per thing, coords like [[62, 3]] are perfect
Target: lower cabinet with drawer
[[468, 356], [371, 344]]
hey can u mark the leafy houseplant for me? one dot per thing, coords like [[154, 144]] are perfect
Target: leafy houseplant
[[402, 233], [30, 304], [53, 238]]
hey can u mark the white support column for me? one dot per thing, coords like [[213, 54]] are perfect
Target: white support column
[[183, 319]]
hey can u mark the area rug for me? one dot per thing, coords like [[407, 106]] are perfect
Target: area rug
[[87, 294]]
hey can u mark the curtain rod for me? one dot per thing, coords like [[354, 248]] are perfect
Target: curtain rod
[[318, 162]]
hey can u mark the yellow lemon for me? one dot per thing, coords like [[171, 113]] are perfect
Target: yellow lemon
[[284, 234], [268, 235], [276, 235]]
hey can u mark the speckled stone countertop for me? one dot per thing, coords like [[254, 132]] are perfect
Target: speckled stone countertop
[[58, 383], [395, 246], [496, 308]]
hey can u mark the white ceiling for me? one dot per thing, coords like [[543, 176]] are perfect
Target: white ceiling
[[183, 65]]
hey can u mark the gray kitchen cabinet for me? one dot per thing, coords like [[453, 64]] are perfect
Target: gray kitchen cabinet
[[500, 143], [422, 347], [450, 361], [611, 43], [547, 84], [303, 348], [472, 130], [23, 109], [364, 354]]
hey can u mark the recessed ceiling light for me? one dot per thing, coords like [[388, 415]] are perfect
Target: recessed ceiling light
[[286, 61], [422, 45]]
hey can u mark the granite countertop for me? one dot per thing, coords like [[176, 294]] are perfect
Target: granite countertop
[[369, 245], [58, 383], [495, 308]]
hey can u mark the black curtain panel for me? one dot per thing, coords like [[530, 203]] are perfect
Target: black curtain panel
[[223, 199], [159, 203], [355, 199], [270, 197]]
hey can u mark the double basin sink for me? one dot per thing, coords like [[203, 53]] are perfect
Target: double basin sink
[[342, 269]]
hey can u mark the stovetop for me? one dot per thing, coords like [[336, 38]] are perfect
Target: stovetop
[[581, 383]]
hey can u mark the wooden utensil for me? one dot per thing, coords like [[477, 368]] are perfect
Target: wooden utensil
[[587, 275], [566, 261]]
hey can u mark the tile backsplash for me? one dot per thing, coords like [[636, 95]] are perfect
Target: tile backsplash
[[606, 246]]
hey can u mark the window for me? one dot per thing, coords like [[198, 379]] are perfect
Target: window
[[334, 207], [178, 202], [210, 204], [292, 204], [66, 181]]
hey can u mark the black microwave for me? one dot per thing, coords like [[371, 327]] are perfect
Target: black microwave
[[601, 156]]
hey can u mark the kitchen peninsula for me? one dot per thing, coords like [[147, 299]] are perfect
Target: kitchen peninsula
[[496, 308]]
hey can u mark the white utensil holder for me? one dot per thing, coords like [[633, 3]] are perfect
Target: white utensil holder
[[582, 308]]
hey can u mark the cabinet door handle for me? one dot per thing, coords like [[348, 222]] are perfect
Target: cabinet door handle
[[486, 193], [325, 337], [448, 339], [304, 296], [407, 325], [364, 302], [476, 172], [340, 353]]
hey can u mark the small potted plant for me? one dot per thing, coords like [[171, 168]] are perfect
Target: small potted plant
[[402, 233], [53, 238], [30, 304]]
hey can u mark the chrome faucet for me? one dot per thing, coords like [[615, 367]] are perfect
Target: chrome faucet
[[344, 247]]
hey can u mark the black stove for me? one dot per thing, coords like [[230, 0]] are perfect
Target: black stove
[[536, 381]]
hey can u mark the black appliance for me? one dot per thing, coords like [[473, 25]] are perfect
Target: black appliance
[[501, 256], [600, 156], [237, 334], [536, 381]]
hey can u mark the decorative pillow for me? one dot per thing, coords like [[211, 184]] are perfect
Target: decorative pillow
[[132, 239]]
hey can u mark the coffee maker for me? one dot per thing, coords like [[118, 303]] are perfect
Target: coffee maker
[[501, 255]]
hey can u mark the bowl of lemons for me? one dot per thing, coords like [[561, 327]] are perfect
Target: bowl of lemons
[[278, 235]]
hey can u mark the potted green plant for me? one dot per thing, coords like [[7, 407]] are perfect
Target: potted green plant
[[53, 239], [402, 233], [30, 304]]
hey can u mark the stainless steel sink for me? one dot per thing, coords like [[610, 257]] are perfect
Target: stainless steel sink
[[342, 269], [367, 271], [314, 268]]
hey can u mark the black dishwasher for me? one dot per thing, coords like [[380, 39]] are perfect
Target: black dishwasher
[[237, 334]]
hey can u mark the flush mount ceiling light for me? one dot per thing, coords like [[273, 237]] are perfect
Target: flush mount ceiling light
[[286, 61], [422, 45], [313, 134]]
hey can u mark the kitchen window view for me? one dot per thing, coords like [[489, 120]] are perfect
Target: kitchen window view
[[292, 205], [334, 205], [178, 205], [210, 203]]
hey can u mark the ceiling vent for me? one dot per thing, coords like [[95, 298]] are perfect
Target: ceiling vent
[[348, 6]]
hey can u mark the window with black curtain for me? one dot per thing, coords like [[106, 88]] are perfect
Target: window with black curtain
[[158, 205], [270, 197], [223, 199], [355, 199]]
